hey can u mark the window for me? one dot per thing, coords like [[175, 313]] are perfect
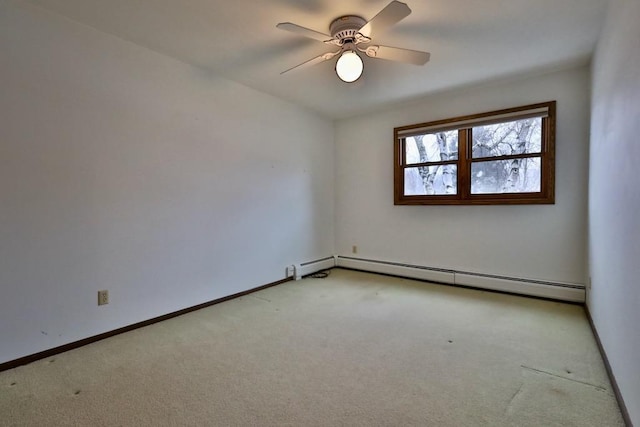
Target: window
[[501, 157]]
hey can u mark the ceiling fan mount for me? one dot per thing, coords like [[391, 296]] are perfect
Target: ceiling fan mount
[[350, 30], [346, 30]]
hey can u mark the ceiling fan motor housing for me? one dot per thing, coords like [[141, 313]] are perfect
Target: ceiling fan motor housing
[[346, 28]]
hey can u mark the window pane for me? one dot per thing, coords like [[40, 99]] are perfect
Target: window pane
[[506, 176], [431, 180], [504, 139], [433, 147]]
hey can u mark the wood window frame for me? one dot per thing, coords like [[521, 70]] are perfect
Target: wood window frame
[[464, 124]]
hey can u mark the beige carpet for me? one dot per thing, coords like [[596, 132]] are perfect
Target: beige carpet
[[354, 349]]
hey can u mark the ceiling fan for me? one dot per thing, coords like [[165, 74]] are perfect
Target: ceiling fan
[[349, 33]]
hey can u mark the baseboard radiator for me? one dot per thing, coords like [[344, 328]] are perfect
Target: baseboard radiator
[[298, 271], [570, 292]]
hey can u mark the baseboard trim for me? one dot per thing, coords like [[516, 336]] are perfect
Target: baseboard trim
[[607, 365], [76, 344]]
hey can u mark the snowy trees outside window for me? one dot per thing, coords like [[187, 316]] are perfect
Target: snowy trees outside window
[[439, 178], [501, 157], [515, 175]]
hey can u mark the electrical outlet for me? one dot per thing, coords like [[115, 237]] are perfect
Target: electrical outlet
[[103, 297], [354, 249]]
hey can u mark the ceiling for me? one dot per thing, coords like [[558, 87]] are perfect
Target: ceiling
[[471, 41]]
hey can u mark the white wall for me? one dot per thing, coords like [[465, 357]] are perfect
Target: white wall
[[614, 198], [539, 242], [125, 170]]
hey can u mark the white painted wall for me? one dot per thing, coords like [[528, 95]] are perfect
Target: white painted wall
[[614, 198], [539, 242], [126, 170]]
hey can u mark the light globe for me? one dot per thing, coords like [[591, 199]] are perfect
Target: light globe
[[349, 66]]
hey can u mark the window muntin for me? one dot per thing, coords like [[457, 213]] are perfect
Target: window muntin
[[501, 157]]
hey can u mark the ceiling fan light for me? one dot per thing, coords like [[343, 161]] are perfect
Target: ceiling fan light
[[349, 66]]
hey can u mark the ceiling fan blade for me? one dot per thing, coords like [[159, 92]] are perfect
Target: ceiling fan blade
[[313, 61], [306, 32], [408, 56], [393, 13]]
